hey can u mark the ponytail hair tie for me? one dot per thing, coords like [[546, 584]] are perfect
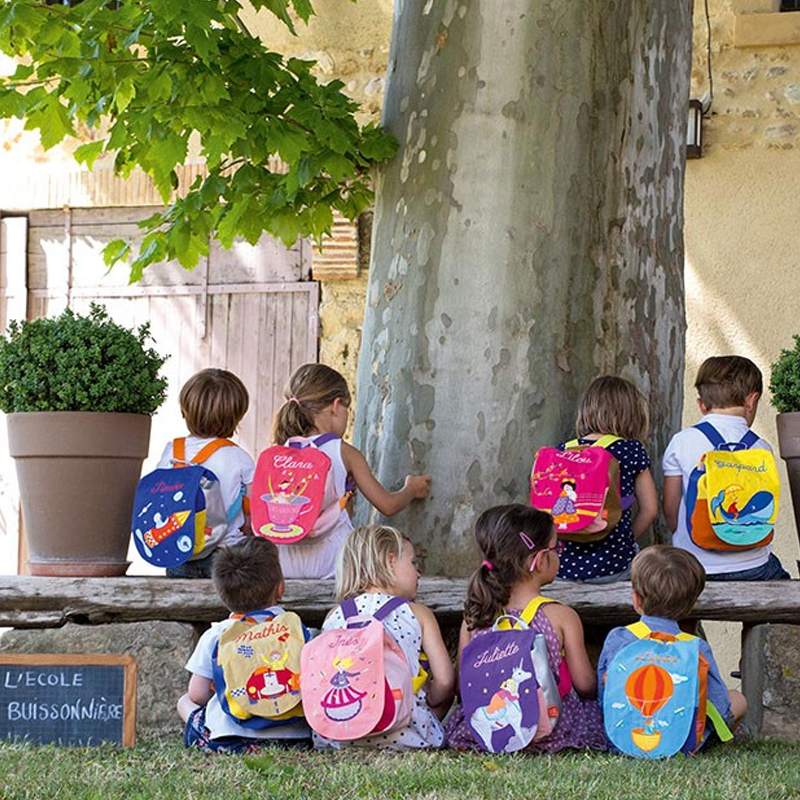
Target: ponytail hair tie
[[487, 564], [294, 400]]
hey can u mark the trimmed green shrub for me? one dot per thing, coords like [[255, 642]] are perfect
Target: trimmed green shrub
[[785, 381], [79, 363]]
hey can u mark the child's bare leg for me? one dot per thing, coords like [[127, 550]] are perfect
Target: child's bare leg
[[738, 705]]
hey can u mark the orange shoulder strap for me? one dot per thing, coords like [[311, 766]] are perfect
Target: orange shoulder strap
[[179, 449]]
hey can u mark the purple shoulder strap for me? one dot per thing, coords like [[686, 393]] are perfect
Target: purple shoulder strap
[[350, 610]]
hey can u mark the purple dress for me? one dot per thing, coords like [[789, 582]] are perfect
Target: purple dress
[[580, 725]]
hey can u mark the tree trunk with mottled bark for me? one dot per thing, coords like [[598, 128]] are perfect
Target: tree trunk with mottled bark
[[528, 237]]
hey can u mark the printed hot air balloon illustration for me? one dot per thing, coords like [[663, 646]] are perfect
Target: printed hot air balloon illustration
[[648, 688]]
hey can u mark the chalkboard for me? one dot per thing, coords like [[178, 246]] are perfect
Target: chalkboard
[[69, 699]]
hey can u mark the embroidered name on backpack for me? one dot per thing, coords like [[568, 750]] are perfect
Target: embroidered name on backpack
[[735, 465], [282, 632], [287, 462], [161, 487], [343, 640], [496, 654], [651, 658]]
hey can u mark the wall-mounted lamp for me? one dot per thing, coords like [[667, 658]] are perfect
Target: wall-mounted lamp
[[694, 130]]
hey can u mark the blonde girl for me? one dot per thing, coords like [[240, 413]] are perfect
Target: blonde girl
[[613, 405], [318, 403], [520, 551], [375, 564]]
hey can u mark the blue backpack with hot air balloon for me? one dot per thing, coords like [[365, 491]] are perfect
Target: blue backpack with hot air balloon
[[654, 702]]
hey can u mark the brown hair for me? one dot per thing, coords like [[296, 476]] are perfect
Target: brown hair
[[363, 560], [613, 405], [668, 581], [498, 533], [213, 402], [247, 575], [726, 381], [311, 389]]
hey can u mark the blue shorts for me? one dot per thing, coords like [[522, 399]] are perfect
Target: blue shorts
[[196, 734], [770, 570], [201, 568]]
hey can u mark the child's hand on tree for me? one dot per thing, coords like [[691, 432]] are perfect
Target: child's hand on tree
[[418, 486]]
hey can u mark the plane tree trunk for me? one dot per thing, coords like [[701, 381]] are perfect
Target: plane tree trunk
[[528, 236]]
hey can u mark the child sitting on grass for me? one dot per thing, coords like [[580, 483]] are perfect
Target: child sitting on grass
[[666, 582], [247, 577]]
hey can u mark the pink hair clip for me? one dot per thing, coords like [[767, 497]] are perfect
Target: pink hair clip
[[526, 540], [487, 564]]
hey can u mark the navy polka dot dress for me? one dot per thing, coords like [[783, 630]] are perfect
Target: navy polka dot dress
[[582, 561]]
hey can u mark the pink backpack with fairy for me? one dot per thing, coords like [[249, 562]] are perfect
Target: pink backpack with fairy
[[293, 493], [579, 486], [356, 681]]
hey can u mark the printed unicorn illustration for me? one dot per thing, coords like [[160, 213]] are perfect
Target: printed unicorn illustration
[[503, 710]]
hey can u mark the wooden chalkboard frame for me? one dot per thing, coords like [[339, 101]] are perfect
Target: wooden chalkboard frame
[[128, 662]]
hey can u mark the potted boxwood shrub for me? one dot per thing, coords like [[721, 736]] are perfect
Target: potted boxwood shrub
[[784, 386], [79, 392]]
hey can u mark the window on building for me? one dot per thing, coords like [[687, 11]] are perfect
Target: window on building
[[790, 5]]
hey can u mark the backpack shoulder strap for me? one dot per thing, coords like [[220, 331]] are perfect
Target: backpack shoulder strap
[[606, 440], [749, 439], [179, 449], [711, 433], [210, 449], [639, 629], [529, 612], [325, 438]]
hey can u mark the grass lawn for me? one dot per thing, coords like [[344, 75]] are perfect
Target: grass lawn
[[163, 768]]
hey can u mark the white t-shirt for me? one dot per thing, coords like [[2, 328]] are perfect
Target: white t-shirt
[[234, 468], [680, 458], [201, 663]]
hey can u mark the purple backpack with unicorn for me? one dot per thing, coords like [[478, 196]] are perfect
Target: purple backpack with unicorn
[[509, 693]]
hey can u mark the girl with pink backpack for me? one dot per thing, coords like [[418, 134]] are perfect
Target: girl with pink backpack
[[520, 552], [316, 411], [376, 579]]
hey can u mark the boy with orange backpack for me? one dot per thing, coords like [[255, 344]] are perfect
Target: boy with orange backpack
[[720, 480], [651, 673], [196, 499]]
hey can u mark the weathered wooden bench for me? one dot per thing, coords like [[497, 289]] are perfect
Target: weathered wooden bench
[[770, 654], [28, 602]]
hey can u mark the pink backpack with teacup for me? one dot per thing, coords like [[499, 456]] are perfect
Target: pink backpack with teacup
[[293, 493], [579, 486], [356, 681]]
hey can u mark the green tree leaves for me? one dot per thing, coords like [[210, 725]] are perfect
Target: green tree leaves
[[157, 79]]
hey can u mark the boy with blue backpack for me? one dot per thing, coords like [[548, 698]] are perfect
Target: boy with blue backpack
[[660, 688], [244, 691], [720, 479], [197, 498]]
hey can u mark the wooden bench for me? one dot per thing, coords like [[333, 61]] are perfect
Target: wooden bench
[[32, 602], [48, 603]]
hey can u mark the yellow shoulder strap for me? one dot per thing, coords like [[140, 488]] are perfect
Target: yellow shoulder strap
[[641, 631], [529, 612], [605, 441]]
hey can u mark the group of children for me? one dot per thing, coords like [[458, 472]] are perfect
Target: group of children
[[519, 545]]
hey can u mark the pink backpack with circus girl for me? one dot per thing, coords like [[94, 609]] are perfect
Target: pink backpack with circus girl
[[356, 681], [293, 493], [579, 486]]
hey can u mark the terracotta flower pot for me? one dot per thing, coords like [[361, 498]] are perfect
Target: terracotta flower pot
[[789, 447], [77, 476]]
